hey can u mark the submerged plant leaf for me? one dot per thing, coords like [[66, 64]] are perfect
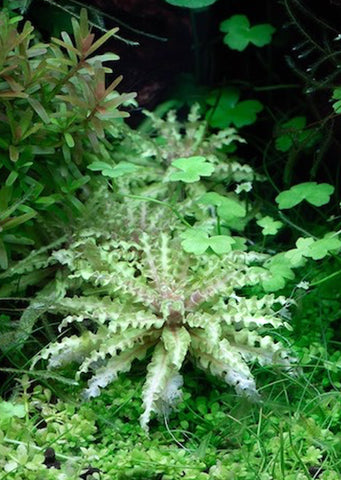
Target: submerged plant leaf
[[9, 410], [322, 247], [280, 270], [337, 96], [312, 192], [192, 169], [315, 249], [59, 108], [198, 241], [228, 208], [269, 225], [240, 33], [113, 171], [3, 256], [294, 133], [195, 241], [226, 109], [191, 3]]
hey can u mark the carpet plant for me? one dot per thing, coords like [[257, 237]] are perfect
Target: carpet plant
[[167, 310]]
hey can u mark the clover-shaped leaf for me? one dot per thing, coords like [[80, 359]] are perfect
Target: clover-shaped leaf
[[280, 271], [322, 247], [226, 109], [122, 168], [239, 33], [192, 169], [316, 194], [197, 241], [221, 243], [311, 248], [227, 208], [295, 255], [294, 134], [269, 225]]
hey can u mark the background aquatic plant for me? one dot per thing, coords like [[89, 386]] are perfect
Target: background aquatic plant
[[54, 106]]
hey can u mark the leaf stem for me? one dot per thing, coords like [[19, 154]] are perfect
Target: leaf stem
[[325, 279]]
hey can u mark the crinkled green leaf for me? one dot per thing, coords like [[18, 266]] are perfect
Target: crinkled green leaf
[[291, 130], [294, 256], [176, 342], [261, 35], [312, 192]]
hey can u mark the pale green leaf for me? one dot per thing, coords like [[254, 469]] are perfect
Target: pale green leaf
[[221, 244], [195, 241], [159, 371], [312, 192], [69, 140], [113, 171], [228, 208], [322, 247], [9, 410], [269, 225], [176, 341], [192, 168]]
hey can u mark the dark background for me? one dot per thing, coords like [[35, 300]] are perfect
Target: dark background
[[180, 54]]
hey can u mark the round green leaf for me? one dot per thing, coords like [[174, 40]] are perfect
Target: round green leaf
[[260, 35], [191, 3], [221, 244], [195, 241], [227, 207]]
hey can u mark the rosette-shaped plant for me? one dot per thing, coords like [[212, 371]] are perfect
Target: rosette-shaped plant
[[142, 293]]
